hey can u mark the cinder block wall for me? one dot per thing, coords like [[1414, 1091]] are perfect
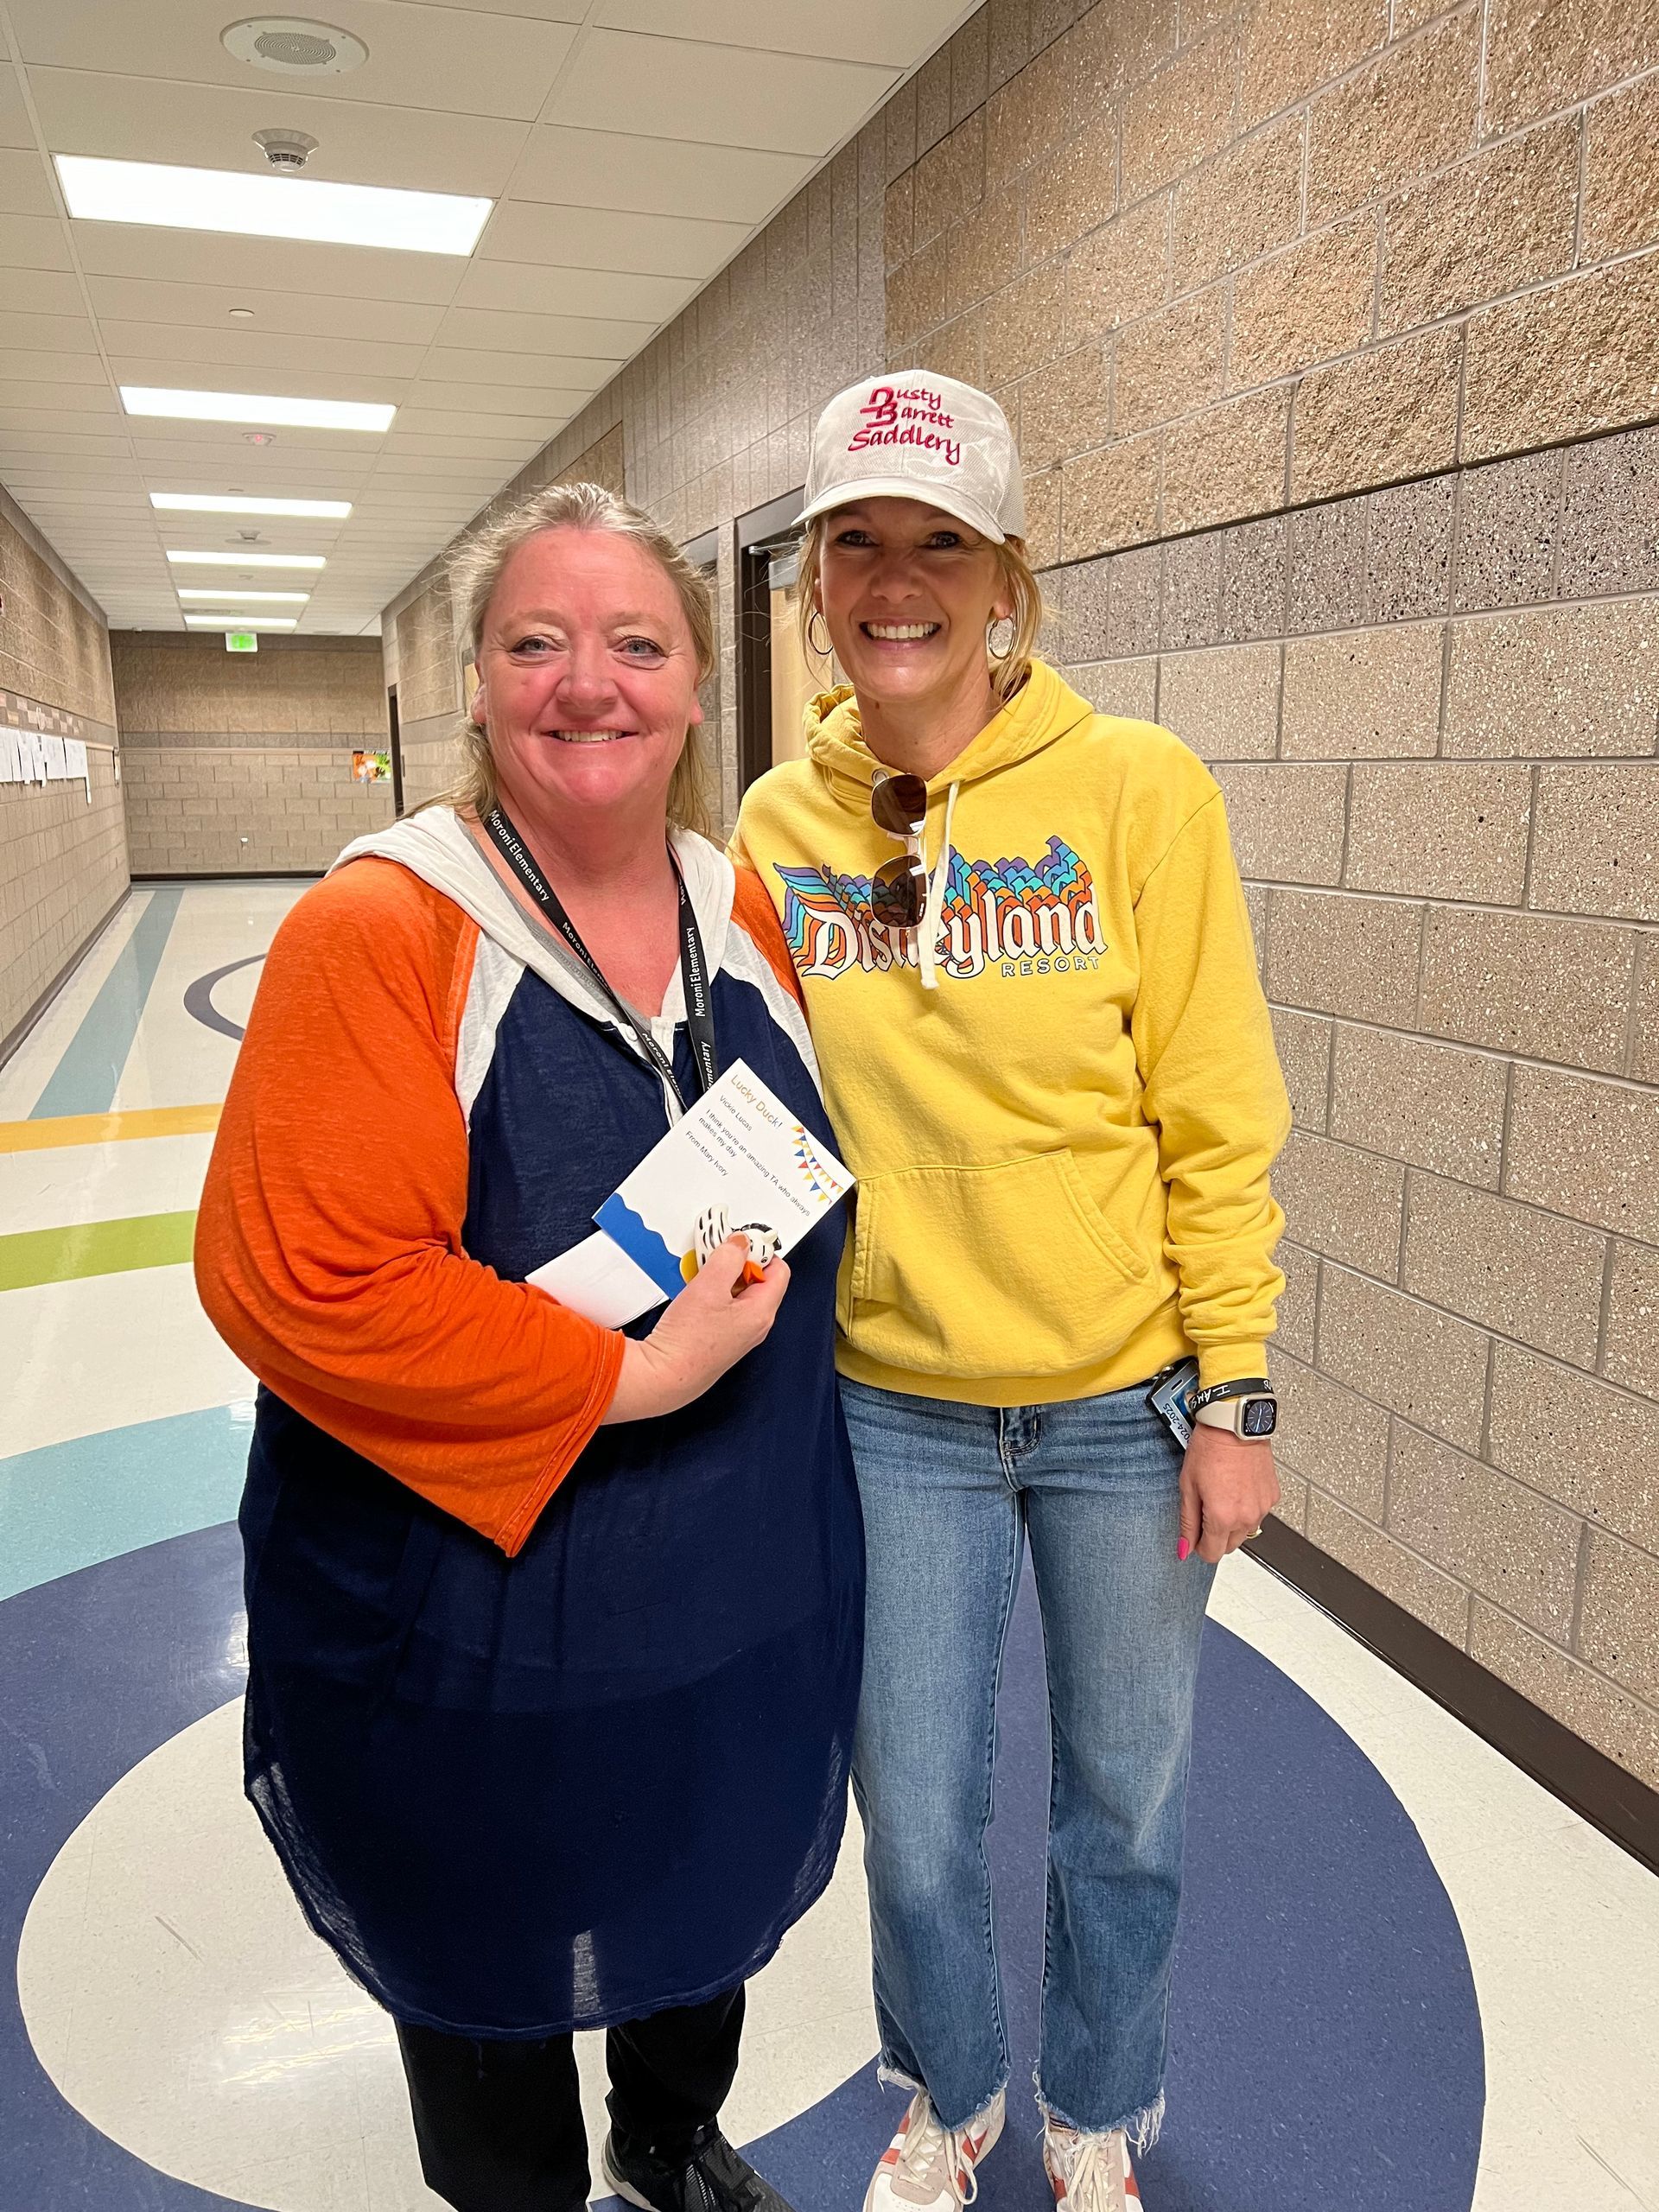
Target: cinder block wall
[[63, 857], [241, 763], [1433, 709], [1328, 328]]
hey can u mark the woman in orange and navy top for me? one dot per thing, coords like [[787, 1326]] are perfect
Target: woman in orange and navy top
[[553, 1629]]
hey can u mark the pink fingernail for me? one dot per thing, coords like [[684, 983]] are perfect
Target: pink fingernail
[[1182, 1548]]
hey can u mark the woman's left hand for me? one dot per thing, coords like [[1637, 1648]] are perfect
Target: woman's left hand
[[1228, 1487]]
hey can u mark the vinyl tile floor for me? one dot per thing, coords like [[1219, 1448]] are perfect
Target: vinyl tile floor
[[1408, 1976]]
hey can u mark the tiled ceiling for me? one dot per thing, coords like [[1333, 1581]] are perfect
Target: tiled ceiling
[[631, 147]]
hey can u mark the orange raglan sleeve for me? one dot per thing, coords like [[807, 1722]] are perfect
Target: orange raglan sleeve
[[329, 1252], [753, 912]]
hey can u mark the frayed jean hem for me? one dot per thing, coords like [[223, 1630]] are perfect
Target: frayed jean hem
[[1142, 2128], [890, 2077]]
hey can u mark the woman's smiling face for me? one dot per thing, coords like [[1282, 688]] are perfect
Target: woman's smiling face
[[907, 592], [588, 675]]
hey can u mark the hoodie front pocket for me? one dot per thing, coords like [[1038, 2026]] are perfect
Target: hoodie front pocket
[[978, 1272]]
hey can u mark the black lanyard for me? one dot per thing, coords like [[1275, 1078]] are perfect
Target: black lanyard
[[694, 969]]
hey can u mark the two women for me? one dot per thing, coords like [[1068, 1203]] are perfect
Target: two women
[[554, 1636], [553, 1630], [1031, 986]]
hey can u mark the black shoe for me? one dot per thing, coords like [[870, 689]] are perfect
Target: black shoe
[[714, 2179]]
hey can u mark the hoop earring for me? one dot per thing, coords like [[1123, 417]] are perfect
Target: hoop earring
[[1001, 652], [827, 649]]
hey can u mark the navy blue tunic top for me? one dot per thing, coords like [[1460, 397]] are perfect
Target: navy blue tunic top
[[523, 1796]]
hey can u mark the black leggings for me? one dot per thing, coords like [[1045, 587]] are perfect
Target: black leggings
[[500, 2124]]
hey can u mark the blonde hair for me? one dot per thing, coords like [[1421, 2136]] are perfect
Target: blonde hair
[[476, 570], [1016, 577]]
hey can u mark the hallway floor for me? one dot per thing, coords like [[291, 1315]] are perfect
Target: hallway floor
[[1409, 1979]]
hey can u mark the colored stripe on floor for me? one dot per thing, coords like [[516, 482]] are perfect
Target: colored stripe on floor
[[85, 1079], [65, 1506], [45, 1135], [95, 1247]]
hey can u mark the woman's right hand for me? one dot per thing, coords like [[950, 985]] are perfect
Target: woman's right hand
[[715, 1319]]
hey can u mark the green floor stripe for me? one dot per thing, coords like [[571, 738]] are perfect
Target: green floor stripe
[[95, 1247]]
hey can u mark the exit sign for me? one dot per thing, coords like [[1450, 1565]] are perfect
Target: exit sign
[[241, 641]]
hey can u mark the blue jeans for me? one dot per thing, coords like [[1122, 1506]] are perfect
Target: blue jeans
[[950, 1492]]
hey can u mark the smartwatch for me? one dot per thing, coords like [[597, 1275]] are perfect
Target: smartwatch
[[1247, 1409]]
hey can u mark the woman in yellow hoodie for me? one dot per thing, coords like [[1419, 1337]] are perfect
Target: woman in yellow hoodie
[[1030, 976]]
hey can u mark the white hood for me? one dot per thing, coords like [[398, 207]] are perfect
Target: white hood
[[435, 846]]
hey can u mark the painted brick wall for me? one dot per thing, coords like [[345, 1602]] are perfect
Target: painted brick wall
[[1329, 332], [241, 764], [63, 858]]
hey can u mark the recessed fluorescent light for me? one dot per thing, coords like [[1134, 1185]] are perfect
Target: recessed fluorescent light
[[99, 191], [257, 407], [249, 560], [218, 503], [241, 622], [247, 598]]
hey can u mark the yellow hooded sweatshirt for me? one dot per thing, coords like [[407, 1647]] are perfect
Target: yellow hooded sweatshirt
[[1063, 1144]]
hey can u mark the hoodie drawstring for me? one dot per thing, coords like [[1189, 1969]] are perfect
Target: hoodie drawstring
[[933, 910]]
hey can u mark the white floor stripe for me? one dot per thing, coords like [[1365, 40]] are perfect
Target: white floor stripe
[[80, 1183], [94, 1355]]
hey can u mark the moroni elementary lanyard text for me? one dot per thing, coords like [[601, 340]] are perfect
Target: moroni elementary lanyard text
[[694, 967]]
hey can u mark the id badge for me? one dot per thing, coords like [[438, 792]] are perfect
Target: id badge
[[1168, 1397]]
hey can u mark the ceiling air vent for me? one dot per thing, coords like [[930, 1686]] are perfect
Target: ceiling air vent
[[294, 46]]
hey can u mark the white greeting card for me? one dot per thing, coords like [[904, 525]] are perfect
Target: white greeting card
[[739, 1149]]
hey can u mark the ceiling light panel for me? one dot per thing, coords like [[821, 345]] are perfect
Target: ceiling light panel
[[257, 407], [248, 598], [323, 214], [236, 503], [248, 560], [233, 622]]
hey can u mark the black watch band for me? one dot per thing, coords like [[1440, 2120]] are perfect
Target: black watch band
[[1249, 1386]]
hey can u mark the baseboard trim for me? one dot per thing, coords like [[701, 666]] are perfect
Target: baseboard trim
[[1597, 1788], [254, 875], [19, 1031]]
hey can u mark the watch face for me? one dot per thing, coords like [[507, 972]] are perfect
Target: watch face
[[1260, 1417]]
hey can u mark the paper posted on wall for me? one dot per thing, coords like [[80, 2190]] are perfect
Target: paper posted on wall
[[738, 1152]]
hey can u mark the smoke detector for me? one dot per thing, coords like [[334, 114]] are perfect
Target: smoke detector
[[286, 150], [294, 46]]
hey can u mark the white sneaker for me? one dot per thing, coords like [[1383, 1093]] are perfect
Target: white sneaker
[[1089, 2173], [931, 2166]]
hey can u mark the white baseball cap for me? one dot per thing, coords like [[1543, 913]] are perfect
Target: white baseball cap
[[917, 436]]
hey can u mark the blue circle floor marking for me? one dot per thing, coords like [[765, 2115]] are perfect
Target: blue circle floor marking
[[1325, 2044]]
